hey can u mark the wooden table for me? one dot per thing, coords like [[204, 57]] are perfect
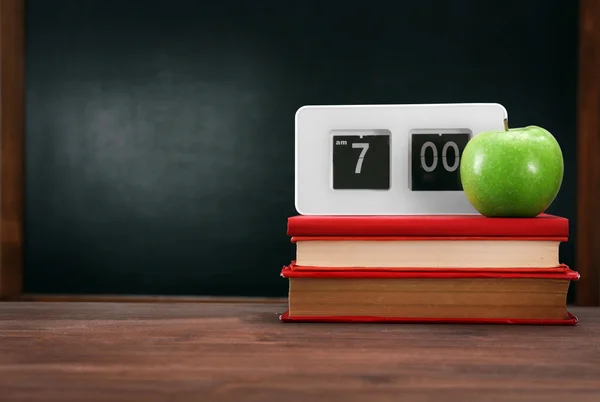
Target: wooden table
[[87, 352]]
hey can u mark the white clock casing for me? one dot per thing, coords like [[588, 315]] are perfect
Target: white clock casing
[[315, 127]]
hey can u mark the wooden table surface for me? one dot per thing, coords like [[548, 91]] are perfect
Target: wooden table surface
[[206, 352]]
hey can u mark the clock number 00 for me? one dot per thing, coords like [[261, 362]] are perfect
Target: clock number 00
[[364, 148], [447, 166]]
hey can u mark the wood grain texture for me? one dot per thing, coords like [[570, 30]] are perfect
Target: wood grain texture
[[149, 299], [12, 143], [588, 156], [241, 352]]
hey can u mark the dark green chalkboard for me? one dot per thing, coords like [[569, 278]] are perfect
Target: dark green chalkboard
[[160, 134]]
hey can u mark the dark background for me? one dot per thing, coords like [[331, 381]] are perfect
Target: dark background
[[160, 134]]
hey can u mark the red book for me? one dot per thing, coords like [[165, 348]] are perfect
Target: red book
[[542, 226], [429, 297], [570, 320], [428, 242]]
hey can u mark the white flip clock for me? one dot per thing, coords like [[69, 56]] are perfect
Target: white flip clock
[[386, 159]]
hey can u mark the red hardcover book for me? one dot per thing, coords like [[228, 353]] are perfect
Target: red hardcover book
[[285, 317], [567, 274], [425, 242], [562, 268], [467, 297], [542, 226]]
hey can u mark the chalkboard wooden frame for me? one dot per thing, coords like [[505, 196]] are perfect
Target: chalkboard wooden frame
[[588, 158], [12, 146], [12, 153]]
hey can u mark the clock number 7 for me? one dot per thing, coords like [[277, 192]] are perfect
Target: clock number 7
[[364, 148]]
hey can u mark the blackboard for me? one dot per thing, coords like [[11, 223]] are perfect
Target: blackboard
[[160, 135]]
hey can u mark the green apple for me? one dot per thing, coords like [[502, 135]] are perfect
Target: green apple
[[512, 173]]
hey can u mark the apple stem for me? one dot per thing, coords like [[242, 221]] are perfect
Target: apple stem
[[505, 124]]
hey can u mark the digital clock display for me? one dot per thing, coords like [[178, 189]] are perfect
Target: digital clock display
[[435, 160], [361, 161]]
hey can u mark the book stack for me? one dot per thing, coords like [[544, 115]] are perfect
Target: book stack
[[459, 269]]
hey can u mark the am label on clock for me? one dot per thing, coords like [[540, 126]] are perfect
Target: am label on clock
[[435, 159], [360, 159]]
